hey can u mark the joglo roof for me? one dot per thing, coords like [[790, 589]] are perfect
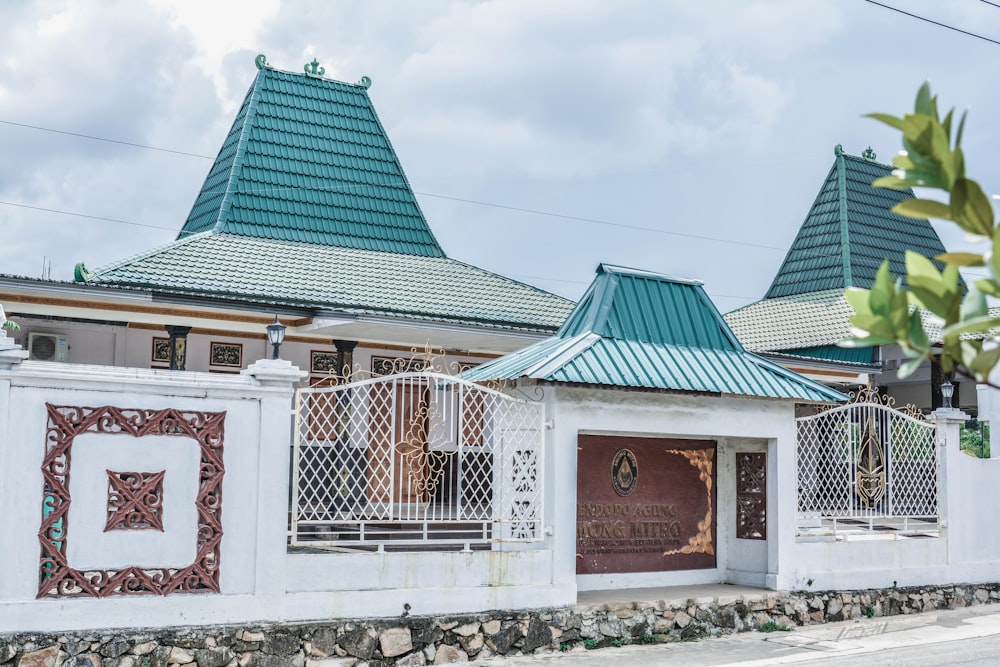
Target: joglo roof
[[307, 205], [846, 235], [307, 159], [850, 230], [646, 330]]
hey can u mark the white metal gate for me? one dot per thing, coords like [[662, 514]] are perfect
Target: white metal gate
[[867, 466], [415, 460]]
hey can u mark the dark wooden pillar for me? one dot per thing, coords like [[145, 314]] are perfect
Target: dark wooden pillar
[[178, 346], [345, 358]]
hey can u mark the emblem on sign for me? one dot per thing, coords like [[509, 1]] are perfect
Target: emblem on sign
[[624, 472]]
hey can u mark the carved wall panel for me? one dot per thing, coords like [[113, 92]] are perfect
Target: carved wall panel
[[135, 500], [57, 578], [751, 496]]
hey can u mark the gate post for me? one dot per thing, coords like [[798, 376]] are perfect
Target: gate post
[[274, 463], [949, 422]]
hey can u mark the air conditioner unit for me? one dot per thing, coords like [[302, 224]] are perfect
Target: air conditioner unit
[[48, 347]]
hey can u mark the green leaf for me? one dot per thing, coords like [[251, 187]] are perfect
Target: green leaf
[[971, 208], [973, 306], [922, 208], [961, 128], [891, 182], [891, 121], [924, 104], [988, 286], [961, 259], [984, 362], [908, 367], [917, 336], [975, 325], [857, 298]]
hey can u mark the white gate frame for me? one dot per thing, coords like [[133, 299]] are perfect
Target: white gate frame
[[415, 459], [868, 467]]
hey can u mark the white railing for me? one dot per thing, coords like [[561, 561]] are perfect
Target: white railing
[[414, 460], [867, 466]]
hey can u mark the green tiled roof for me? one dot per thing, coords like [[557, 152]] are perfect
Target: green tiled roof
[[308, 160], [849, 231], [645, 330], [344, 279], [810, 320]]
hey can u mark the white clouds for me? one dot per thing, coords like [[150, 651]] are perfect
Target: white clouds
[[718, 117]]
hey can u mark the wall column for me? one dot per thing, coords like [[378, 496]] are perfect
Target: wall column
[[178, 346], [345, 358]]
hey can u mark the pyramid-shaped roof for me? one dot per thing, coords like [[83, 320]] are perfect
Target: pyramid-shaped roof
[[847, 234], [850, 230], [646, 330], [308, 160]]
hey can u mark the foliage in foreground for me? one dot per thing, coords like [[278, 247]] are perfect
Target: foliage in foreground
[[889, 313]]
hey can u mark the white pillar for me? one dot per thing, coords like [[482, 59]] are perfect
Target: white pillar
[[949, 422], [278, 377]]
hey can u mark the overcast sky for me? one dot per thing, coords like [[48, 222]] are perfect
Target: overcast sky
[[713, 119]]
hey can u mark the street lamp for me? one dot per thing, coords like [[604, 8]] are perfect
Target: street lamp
[[947, 391], [276, 336]]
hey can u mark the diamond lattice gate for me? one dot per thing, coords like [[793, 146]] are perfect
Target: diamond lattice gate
[[415, 460], [867, 466]]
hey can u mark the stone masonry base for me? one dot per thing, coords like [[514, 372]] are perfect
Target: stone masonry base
[[410, 641]]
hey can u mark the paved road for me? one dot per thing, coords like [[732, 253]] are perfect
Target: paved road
[[969, 637]]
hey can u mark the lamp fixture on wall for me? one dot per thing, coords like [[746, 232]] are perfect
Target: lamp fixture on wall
[[276, 336], [947, 391]]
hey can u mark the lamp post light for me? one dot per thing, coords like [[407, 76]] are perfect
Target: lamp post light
[[947, 391], [276, 336]]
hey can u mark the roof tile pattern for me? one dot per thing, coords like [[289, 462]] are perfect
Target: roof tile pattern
[[345, 279], [308, 160], [849, 231], [807, 320], [644, 330]]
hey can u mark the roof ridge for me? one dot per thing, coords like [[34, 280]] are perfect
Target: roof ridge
[[241, 146]]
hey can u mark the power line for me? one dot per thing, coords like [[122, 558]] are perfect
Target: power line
[[937, 23], [993, 4], [111, 141], [84, 215]]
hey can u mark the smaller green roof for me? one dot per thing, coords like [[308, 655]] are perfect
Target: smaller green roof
[[850, 230], [646, 330]]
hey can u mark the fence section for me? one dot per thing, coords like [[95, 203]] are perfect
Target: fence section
[[415, 460], [867, 466]]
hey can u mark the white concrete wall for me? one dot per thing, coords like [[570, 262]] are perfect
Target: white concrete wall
[[259, 579], [737, 425]]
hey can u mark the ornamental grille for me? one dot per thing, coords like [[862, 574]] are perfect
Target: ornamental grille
[[415, 458], [867, 466]]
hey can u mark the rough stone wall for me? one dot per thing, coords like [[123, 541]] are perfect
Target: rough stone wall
[[411, 641]]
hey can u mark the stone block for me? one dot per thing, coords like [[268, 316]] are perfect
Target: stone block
[[44, 657], [473, 644], [415, 659], [504, 640], [359, 643], [682, 619], [281, 643], [538, 635], [448, 654], [331, 662], [467, 629], [324, 639], [83, 660], [395, 641], [491, 627], [213, 657]]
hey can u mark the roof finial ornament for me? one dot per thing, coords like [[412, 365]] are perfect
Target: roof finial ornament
[[314, 70], [868, 154], [365, 82], [261, 61], [838, 150]]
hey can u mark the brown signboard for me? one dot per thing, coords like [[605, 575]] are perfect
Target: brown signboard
[[644, 504]]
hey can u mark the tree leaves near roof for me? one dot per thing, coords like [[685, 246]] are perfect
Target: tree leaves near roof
[[889, 312]]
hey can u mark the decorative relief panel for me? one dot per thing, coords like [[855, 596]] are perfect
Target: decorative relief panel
[[135, 500], [57, 578], [322, 362], [226, 354], [161, 351], [751, 496]]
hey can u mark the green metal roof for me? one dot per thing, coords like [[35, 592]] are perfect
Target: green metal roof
[[343, 279], [640, 329], [308, 160], [850, 230]]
